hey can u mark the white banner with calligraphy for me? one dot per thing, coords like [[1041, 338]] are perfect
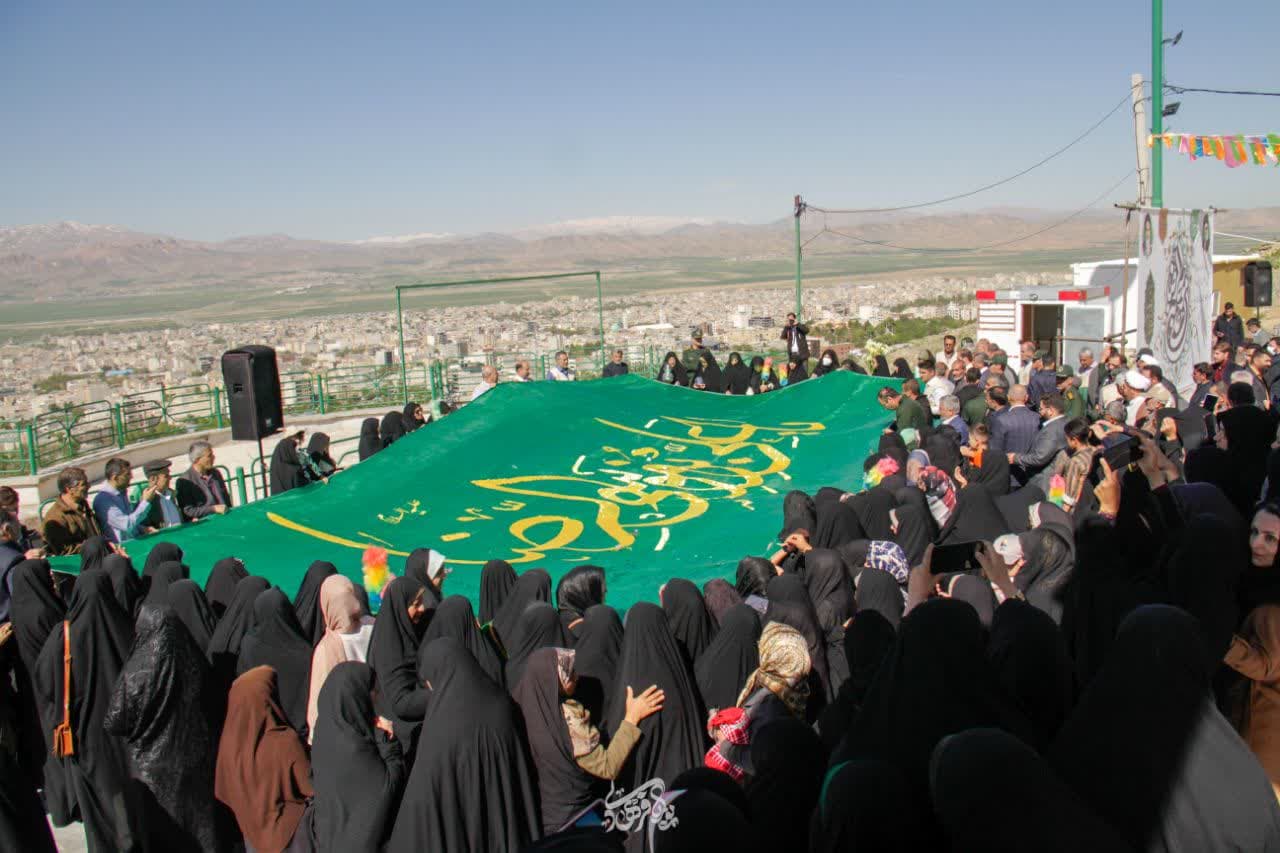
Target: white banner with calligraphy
[[1175, 289]]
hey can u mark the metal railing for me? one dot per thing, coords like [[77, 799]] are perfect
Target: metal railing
[[166, 411], [75, 431], [55, 438]]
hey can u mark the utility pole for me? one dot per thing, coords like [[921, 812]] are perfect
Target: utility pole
[[1140, 140], [799, 210], [1157, 102]]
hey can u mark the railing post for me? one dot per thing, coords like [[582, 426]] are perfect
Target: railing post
[[320, 393], [217, 406], [33, 456], [117, 417], [239, 478]]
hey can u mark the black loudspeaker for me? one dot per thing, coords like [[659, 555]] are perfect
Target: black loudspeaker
[[252, 380], [1256, 278]]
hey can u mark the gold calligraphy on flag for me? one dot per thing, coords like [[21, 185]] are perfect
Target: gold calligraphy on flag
[[607, 499]]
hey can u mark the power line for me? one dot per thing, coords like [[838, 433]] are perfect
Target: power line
[[1047, 228], [1179, 90], [1243, 237], [990, 186]]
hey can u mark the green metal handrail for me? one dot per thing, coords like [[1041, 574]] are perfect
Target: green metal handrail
[[166, 411], [74, 431], [55, 438]]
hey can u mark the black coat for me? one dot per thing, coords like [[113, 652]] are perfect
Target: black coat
[[164, 712], [801, 334], [357, 770], [471, 787], [95, 779], [287, 470], [1229, 329]]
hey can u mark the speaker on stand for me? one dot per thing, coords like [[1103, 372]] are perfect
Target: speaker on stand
[[252, 380], [1255, 278]]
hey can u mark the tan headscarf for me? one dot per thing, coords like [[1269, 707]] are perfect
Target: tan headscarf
[[341, 610], [263, 774], [784, 667]]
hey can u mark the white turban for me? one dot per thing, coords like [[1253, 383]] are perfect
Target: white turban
[[1136, 380]]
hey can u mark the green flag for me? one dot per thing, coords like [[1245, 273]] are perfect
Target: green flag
[[647, 480]]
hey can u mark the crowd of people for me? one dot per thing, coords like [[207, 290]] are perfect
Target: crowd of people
[[696, 366], [1046, 617], [118, 514]]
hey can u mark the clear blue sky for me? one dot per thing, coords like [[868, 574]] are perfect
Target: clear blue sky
[[347, 120]]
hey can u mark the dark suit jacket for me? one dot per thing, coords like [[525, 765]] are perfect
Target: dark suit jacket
[[1197, 396], [1095, 385], [1014, 430], [194, 497], [1230, 329], [801, 331], [1034, 464], [1042, 382], [155, 515], [612, 369]]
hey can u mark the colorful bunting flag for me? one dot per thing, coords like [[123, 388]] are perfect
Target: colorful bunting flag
[[1233, 150], [1229, 151]]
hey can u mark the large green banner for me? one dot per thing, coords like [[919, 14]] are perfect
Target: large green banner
[[647, 480]]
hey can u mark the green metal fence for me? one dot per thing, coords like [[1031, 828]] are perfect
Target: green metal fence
[[167, 411], [367, 386], [74, 431], [16, 449], [54, 438]]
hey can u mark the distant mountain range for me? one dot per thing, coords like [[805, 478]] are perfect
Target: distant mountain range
[[67, 260]]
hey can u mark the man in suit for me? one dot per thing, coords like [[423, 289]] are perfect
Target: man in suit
[[1027, 362], [1228, 327], [1034, 466], [1202, 373], [616, 367], [1093, 375], [949, 415], [796, 336], [1044, 379], [201, 489], [1013, 430]]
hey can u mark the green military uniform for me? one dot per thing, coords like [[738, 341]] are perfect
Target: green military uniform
[[689, 358], [1073, 396], [911, 415], [975, 411]]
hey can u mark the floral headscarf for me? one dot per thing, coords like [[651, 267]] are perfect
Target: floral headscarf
[[889, 557], [564, 668], [784, 667]]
